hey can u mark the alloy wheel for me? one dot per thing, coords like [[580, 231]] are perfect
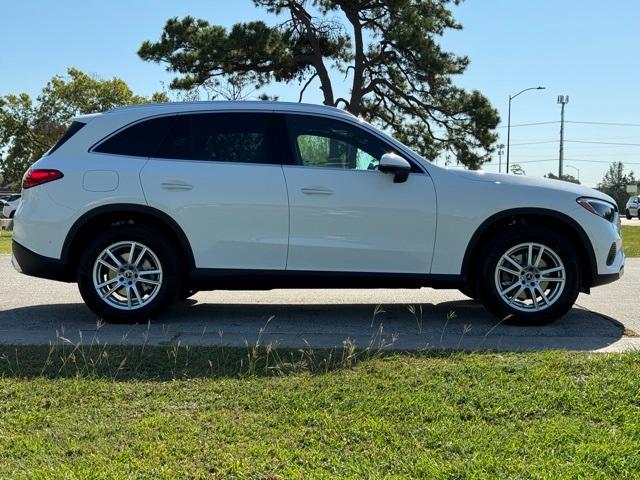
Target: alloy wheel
[[530, 277], [127, 275]]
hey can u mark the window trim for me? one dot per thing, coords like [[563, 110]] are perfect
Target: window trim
[[280, 136]]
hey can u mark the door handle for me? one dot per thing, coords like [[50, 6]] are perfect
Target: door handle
[[176, 185], [316, 191]]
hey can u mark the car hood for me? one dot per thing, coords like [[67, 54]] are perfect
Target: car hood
[[532, 182]]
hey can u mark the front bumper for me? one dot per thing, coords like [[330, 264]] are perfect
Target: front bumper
[[604, 278], [30, 263]]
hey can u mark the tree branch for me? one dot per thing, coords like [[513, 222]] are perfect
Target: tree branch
[[298, 13], [306, 85]]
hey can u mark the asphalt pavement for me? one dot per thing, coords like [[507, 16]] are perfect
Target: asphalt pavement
[[34, 311]]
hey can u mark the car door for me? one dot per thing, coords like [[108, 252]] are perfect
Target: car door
[[346, 215], [219, 177]]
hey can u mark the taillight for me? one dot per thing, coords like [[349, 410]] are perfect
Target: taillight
[[38, 176]]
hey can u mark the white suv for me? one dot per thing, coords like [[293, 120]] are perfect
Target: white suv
[[144, 205]]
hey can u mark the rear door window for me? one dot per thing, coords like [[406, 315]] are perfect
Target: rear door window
[[220, 137]]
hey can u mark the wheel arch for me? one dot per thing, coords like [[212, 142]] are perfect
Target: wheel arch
[[105, 216], [539, 217]]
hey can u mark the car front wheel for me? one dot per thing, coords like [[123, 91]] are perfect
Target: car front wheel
[[530, 275], [129, 274], [628, 214]]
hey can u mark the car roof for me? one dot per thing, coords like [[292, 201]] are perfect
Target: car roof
[[154, 108]]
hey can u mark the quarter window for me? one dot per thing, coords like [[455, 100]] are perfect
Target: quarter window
[[70, 132], [138, 140]]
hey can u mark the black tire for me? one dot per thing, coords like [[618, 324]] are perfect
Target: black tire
[[629, 217], [509, 238], [12, 214], [165, 253], [186, 293]]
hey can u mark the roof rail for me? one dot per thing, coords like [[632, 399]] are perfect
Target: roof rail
[[276, 105]]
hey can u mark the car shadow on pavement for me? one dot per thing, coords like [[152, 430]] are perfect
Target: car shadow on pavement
[[462, 324]]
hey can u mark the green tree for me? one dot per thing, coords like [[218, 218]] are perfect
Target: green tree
[[401, 78], [565, 177], [614, 183], [29, 128]]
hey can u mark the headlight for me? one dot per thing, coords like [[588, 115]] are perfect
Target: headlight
[[601, 208]]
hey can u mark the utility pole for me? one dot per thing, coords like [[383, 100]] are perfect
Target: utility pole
[[562, 100], [500, 152]]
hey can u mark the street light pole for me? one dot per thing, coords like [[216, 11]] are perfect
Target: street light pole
[[511, 97], [575, 168]]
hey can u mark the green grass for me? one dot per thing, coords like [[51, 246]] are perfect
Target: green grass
[[5, 241], [631, 241], [229, 413]]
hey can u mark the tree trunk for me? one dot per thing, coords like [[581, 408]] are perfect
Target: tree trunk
[[355, 105]]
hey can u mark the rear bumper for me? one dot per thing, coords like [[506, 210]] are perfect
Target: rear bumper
[[35, 265]]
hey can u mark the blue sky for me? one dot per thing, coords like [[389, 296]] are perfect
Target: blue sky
[[586, 49]]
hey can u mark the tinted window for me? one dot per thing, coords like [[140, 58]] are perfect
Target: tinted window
[[139, 140], [323, 142], [221, 137], [71, 131]]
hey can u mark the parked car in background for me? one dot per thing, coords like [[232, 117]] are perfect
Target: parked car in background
[[10, 205], [6, 196], [146, 204], [633, 207]]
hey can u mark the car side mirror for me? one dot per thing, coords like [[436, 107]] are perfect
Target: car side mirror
[[395, 164]]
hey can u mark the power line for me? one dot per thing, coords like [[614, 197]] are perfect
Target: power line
[[608, 162], [533, 143], [606, 143], [599, 161], [594, 142], [528, 124], [611, 124]]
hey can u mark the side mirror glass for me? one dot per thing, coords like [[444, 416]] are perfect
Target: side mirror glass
[[396, 165]]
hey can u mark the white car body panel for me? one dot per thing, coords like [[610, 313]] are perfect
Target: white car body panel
[[488, 194], [236, 215], [360, 221]]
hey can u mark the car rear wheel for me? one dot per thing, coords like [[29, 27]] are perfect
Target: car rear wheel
[[129, 274], [530, 275]]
